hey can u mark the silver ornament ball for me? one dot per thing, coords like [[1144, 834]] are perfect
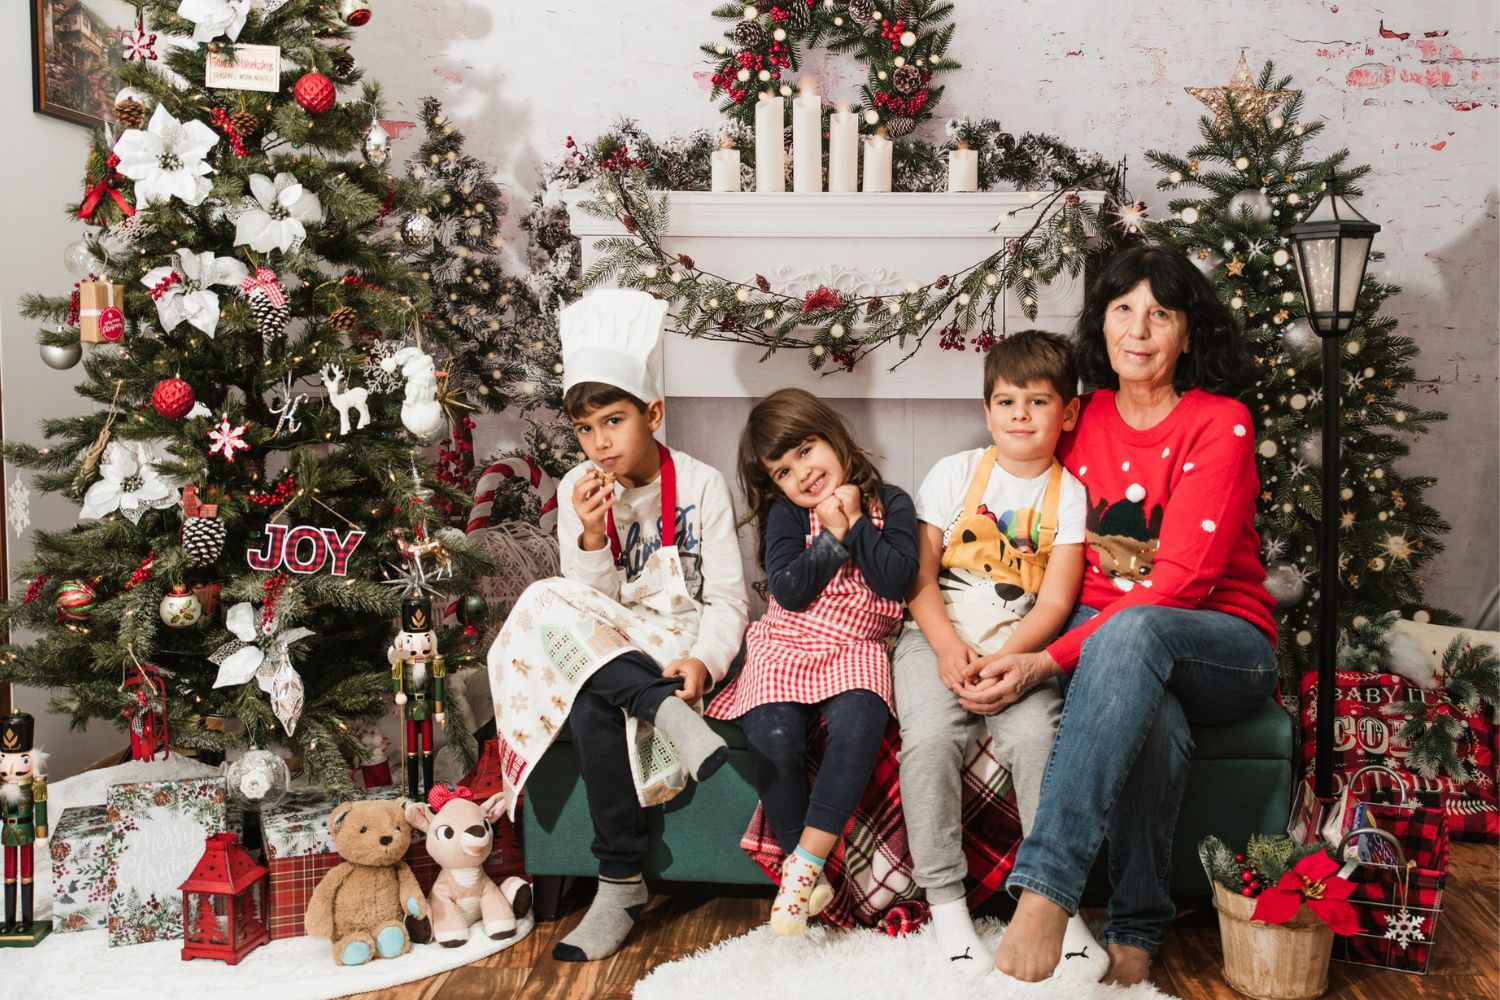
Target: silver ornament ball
[[1256, 201], [62, 358], [418, 231], [258, 780], [1285, 584], [1311, 452], [1298, 335], [377, 147], [79, 260]]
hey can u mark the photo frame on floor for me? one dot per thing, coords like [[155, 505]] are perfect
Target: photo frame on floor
[[77, 49]]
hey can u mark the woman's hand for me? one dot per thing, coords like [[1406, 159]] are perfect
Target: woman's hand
[[1006, 680]]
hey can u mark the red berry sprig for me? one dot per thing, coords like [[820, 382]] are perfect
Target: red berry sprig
[[143, 571], [277, 496], [272, 590], [35, 589], [892, 32], [221, 120], [1249, 877]]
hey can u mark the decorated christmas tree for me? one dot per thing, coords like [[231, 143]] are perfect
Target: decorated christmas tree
[[1235, 195], [242, 284]]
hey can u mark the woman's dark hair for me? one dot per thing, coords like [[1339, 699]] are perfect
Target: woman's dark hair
[[779, 423], [1219, 361]]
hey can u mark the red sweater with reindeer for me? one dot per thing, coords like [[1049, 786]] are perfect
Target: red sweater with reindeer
[[1171, 517]]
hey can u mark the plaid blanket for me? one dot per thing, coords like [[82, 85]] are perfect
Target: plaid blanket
[[870, 869]]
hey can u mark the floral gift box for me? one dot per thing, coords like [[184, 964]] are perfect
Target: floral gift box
[[82, 851], [157, 829]]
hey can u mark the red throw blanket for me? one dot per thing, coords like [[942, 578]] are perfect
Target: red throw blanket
[[870, 869]]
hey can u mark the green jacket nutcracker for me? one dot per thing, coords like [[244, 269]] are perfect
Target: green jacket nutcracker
[[23, 821], [417, 679]]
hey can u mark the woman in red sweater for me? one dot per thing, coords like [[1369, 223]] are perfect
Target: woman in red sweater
[[1174, 623]]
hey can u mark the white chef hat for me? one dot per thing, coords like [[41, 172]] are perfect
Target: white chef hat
[[612, 336]]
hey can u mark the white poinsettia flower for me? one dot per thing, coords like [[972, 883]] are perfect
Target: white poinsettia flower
[[212, 18], [182, 291], [129, 483], [166, 159], [276, 219]]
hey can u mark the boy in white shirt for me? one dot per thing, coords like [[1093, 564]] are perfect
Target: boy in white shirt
[[649, 612], [1001, 547]]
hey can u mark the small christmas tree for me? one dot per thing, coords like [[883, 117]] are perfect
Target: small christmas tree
[[1235, 195], [246, 232]]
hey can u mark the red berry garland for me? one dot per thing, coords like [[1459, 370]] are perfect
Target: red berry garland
[[278, 495], [173, 398], [314, 92]]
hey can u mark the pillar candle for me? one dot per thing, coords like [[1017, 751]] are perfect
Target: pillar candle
[[963, 168], [770, 153], [843, 150], [724, 164], [878, 162], [807, 140]]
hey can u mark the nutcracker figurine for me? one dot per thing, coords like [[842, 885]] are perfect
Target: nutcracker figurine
[[417, 678], [23, 821]]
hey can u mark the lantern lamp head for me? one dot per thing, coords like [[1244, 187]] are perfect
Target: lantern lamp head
[[1332, 248]]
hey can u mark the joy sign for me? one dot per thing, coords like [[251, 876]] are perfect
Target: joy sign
[[285, 545]]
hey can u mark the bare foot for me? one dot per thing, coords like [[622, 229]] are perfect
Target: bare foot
[[1031, 946], [1127, 965]]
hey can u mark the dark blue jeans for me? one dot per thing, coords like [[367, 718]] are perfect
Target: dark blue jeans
[[1120, 760], [777, 738]]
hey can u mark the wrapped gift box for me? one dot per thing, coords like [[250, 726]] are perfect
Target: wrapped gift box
[[299, 852], [81, 848], [101, 319]]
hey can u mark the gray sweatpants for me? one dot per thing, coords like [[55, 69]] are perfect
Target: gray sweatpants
[[935, 731]]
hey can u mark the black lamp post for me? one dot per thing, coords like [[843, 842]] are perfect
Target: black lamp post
[[1332, 248]]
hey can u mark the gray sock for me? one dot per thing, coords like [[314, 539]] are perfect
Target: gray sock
[[703, 750], [604, 928]]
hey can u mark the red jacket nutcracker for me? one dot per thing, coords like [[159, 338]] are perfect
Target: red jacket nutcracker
[[23, 821], [417, 678]]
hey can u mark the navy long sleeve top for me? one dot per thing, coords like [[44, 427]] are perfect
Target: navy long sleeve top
[[798, 572]]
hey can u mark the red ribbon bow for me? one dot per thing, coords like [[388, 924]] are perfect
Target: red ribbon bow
[[441, 795], [95, 194]]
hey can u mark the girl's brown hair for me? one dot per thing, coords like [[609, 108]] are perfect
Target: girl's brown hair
[[780, 422]]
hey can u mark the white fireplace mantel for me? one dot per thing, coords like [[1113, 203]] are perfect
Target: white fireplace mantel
[[857, 244]]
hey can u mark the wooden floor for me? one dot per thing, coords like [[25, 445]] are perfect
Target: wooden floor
[[683, 918]]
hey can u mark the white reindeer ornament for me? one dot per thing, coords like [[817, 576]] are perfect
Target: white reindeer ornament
[[346, 399]]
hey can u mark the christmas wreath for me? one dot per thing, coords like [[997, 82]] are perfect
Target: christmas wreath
[[902, 43]]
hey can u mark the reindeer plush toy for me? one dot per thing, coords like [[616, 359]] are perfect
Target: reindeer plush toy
[[460, 834]]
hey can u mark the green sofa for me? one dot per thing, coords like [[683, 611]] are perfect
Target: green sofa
[[1240, 783]]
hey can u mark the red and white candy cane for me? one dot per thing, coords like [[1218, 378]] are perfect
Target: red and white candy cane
[[518, 467]]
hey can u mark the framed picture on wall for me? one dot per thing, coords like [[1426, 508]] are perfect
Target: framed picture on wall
[[77, 50]]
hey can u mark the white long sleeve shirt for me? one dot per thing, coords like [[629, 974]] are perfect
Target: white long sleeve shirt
[[706, 541]]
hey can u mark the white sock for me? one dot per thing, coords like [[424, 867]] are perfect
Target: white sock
[[1084, 958], [957, 938]]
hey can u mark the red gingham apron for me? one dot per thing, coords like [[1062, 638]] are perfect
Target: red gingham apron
[[839, 643]]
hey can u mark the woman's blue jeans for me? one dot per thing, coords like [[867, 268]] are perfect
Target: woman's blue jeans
[[1120, 761]]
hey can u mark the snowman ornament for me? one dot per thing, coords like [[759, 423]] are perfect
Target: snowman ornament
[[421, 414]]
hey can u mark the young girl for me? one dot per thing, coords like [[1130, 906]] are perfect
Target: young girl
[[839, 550]]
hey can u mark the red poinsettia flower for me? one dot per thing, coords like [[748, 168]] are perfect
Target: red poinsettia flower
[[822, 297], [1313, 880]]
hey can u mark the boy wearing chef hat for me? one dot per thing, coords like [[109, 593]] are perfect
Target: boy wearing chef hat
[[649, 613]]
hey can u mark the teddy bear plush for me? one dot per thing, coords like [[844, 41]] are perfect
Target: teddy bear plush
[[370, 906]]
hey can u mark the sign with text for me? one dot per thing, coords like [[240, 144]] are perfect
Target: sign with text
[[252, 67], [157, 829]]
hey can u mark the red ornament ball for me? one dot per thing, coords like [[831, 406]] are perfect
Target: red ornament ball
[[75, 600], [1246, 891], [314, 91], [172, 398], [1246, 877]]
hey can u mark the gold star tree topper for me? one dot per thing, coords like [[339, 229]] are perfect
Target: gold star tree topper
[[1251, 101]]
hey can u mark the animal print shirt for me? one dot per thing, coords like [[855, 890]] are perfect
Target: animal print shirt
[[1171, 515]]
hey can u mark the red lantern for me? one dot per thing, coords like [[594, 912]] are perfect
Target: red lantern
[[224, 903], [314, 91]]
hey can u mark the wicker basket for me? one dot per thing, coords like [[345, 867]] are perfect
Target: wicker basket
[[1272, 961]]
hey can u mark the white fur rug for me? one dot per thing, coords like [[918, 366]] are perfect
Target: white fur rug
[[826, 964]]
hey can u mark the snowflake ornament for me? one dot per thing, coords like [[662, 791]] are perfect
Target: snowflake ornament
[[1404, 928], [274, 219], [167, 159], [228, 439], [377, 377], [18, 506], [139, 44]]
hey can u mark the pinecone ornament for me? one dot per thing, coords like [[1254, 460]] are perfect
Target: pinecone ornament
[[343, 318], [270, 319], [862, 11], [749, 35], [902, 10], [798, 15], [203, 537], [245, 123], [343, 63], [897, 126], [906, 79], [130, 113]]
